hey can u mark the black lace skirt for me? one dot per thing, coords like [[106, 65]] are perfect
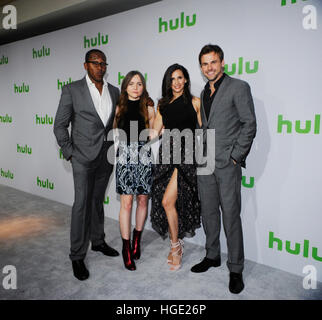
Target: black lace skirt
[[187, 204]]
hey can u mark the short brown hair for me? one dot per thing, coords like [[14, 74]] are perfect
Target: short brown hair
[[211, 48]]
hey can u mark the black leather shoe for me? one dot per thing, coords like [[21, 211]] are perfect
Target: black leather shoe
[[105, 249], [236, 284], [79, 269], [205, 264]]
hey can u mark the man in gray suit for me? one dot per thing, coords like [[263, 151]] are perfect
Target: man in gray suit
[[89, 106], [226, 106]]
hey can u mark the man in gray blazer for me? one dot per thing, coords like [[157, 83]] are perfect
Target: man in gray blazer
[[226, 106], [89, 106]]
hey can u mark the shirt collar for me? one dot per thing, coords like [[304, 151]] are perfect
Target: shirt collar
[[217, 83], [91, 83]]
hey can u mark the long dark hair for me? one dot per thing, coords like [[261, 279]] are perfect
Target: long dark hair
[[167, 93], [123, 101]]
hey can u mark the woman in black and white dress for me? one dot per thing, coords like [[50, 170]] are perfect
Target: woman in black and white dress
[[134, 165]]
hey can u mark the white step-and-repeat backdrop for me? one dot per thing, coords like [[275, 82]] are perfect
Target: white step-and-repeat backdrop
[[275, 45]]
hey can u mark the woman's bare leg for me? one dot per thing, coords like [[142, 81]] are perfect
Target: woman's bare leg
[[125, 215], [169, 204]]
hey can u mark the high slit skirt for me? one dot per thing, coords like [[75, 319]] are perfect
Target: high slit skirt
[[187, 204]]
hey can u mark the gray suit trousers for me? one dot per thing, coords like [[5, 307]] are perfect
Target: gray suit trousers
[[222, 190], [87, 223]]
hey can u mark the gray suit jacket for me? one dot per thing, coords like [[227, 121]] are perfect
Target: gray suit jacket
[[87, 130], [233, 117]]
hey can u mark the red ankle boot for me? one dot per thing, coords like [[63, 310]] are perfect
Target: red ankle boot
[[127, 255], [136, 249]]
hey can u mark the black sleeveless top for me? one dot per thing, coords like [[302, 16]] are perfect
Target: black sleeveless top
[[132, 114], [179, 115]]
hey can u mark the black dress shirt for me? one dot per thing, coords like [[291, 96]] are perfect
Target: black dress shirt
[[208, 98]]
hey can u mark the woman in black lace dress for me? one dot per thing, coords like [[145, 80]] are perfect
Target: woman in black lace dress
[[134, 164], [175, 204]]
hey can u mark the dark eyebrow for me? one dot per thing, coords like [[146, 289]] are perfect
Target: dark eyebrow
[[212, 61]]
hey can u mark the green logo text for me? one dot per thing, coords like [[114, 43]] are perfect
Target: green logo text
[[283, 2], [40, 53], [4, 60], [61, 154], [249, 184], [97, 41], [5, 119], [60, 84], [287, 124], [297, 247], [44, 120], [25, 149], [46, 184], [182, 21], [240, 70], [6, 174], [21, 89]]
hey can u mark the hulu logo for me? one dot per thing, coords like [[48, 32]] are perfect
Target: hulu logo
[[4, 60], [5, 119], [8, 174], [40, 53], [240, 70], [182, 21], [297, 248], [121, 77], [97, 41], [107, 200], [44, 120], [298, 127], [46, 184], [60, 84], [21, 89], [61, 154], [283, 2], [25, 149], [249, 184]]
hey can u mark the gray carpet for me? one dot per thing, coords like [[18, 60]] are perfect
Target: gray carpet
[[34, 237]]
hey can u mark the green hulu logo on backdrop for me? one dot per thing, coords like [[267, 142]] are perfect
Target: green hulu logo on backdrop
[[6, 174], [24, 150], [181, 22], [287, 124], [61, 156], [5, 119], [249, 184], [297, 247], [107, 200], [44, 120], [45, 184], [283, 2], [43, 52], [60, 84], [121, 77], [21, 89], [240, 70], [96, 41], [4, 60]]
